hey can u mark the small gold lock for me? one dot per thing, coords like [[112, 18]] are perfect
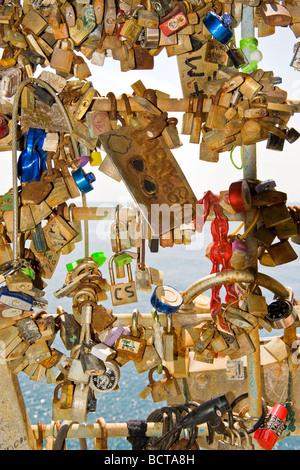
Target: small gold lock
[[125, 292], [132, 347]]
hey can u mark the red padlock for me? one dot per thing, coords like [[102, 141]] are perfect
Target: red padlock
[[240, 196], [175, 20], [274, 426]]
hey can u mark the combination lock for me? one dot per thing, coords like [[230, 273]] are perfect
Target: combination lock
[[281, 313], [108, 381]]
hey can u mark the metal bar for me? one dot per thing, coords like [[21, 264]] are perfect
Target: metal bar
[[113, 430], [126, 214], [250, 172]]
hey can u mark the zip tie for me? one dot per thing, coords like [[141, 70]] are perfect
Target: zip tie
[[242, 158]]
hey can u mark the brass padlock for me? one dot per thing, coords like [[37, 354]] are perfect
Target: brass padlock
[[216, 116], [62, 406], [62, 56], [125, 292], [6, 253], [58, 233], [164, 388], [132, 347]]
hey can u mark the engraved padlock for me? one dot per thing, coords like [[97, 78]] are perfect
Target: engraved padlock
[[132, 346], [125, 292]]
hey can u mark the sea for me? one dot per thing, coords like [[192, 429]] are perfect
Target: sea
[[182, 265]]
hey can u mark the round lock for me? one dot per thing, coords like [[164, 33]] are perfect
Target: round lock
[[240, 196], [218, 27], [165, 299], [108, 381], [281, 314]]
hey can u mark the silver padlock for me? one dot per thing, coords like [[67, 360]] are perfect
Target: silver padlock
[[249, 445], [103, 352], [76, 373], [108, 381]]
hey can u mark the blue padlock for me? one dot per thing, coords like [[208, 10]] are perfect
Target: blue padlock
[[219, 26], [83, 180], [32, 160], [18, 300], [166, 299]]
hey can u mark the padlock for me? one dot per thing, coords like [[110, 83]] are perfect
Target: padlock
[[275, 214], [237, 57], [257, 305], [122, 293], [132, 347], [62, 406], [108, 381], [275, 14], [273, 427], [75, 372], [80, 402], [101, 318], [245, 345], [197, 120], [17, 300], [131, 29], [219, 26], [6, 253], [62, 56], [58, 233], [91, 364], [216, 53], [162, 7], [69, 330], [281, 313], [19, 282], [163, 389], [103, 352], [175, 20], [166, 299], [170, 134], [295, 63], [37, 352], [250, 88], [119, 237], [187, 118], [216, 115], [147, 18], [278, 349]]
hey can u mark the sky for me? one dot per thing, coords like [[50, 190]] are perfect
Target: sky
[[283, 166]]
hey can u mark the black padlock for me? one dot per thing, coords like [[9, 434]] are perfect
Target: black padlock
[[275, 142], [237, 57], [292, 135]]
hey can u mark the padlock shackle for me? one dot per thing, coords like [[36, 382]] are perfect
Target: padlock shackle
[[111, 271]]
